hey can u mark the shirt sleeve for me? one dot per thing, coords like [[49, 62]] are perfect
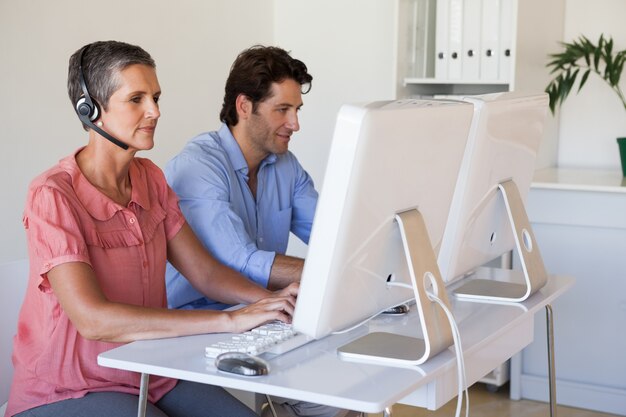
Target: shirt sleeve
[[54, 232], [202, 185], [304, 204]]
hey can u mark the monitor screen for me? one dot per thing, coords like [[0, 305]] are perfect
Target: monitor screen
[[502, 146], [385, 158]]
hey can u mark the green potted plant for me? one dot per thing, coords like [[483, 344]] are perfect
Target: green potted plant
[[576, 62]]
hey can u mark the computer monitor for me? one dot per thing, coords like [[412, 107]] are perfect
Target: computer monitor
[[391, 173], [487, 216]]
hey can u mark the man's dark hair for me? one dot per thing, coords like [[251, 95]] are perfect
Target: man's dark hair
[[253, 73]]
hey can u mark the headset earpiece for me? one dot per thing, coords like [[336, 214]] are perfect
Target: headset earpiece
[[85, 106], [86, 110]]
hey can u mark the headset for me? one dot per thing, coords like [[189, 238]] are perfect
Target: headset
[[88, 110]]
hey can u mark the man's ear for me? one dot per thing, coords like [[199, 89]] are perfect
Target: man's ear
[[243, 106]]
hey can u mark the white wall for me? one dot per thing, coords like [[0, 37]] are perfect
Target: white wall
[[348, 46], [591, 120], [539, 29], [193, 43]]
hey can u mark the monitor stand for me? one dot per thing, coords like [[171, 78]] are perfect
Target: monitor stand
[[534, 271], [424, 272]]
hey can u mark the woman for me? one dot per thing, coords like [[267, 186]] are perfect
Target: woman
[[100, 226]]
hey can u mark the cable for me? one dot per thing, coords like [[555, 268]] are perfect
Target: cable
[[269, 403], [456, 336], [458, 349], [370, 317]]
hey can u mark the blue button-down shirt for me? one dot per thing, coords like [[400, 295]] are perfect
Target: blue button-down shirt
[[210, 176]]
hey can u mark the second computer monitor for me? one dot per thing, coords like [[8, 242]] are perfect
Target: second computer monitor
[[487, 216]]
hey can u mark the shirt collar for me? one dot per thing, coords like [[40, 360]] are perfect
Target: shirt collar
[[235, 155], [95, 202]]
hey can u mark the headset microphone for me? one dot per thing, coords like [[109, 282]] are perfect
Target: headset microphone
[[88, 110]]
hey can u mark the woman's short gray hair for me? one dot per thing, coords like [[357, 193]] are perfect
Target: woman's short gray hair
[[101, 64]]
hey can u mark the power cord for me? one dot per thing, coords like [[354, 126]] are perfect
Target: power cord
[[458, 350], [370, 318], [271, 405]]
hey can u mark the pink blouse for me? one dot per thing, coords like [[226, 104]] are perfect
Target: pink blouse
[[68, 220]]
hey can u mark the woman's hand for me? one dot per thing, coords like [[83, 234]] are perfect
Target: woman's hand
[[277, 307]]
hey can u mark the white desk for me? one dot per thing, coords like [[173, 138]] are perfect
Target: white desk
[[490, 333]]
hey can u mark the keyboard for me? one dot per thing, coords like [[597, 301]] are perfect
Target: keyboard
[[275, 337]]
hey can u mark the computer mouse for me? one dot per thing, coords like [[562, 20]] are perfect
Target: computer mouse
[[242, 364], [397, 310]]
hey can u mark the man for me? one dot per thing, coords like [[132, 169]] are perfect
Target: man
[[242, 191], [240, 188]]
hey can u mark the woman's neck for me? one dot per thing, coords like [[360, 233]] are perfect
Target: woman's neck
[[107, 171]]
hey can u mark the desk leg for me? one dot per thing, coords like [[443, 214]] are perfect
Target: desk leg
[[551, 367], [387, 412], [143, 395]]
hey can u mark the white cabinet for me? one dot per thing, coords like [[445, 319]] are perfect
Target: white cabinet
[[579, 220], [471, 54], [457, 42], [473, 46], [473, 40]]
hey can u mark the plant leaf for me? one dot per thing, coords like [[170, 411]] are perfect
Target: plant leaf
[[567, 64], [552, 94], [596, 58], [583, 80]]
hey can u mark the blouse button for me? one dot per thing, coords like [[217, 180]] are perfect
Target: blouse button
[[132, 220]]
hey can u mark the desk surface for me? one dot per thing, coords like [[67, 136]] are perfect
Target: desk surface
[[491, 333]]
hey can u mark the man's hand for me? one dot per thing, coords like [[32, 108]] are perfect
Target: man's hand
[[290, 290]]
